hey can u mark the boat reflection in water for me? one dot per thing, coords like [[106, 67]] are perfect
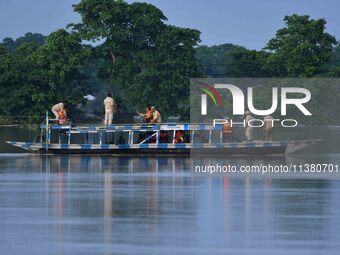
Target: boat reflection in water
[[101, 164], [135, 205]]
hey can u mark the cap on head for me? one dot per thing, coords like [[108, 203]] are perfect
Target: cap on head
[[109, 95], [153, 108]]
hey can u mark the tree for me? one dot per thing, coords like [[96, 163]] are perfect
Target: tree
[[335, 61], [144, 60], [249, 63], [217, 60], [34, 38], [33, 77], [16, 86], [58, 63], [301, 49]]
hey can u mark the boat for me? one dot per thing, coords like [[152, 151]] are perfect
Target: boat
[[201, 138]]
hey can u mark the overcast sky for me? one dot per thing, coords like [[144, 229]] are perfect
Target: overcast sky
[[250, 23]]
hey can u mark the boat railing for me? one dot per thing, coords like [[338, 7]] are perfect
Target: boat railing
[[134, 127], [152, 131]]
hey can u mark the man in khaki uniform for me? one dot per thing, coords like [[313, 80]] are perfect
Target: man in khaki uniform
[[110, 109], [248, 128], [268, 128], [156, 116]]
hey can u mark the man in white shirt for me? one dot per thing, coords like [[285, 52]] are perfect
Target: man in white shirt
[[110, 109], [60, 107]]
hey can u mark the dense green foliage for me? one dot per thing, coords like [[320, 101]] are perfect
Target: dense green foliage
[[144, 61], [216, 61], [301, 49], [33, 78], [11, 45], [335, 61]]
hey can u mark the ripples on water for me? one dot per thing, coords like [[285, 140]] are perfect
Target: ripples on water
[[135, 205]]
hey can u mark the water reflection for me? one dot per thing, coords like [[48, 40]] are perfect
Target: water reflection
[[107, 207], [135, 205], [92, 164]]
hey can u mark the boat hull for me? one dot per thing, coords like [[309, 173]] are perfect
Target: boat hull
[[243, 148], [250, 152], [126, 135]]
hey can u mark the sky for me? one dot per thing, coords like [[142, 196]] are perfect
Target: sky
[[250, 23]]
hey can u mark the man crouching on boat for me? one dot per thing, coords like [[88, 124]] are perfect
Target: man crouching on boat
[[156, 116], [59, 111], [147, 116]]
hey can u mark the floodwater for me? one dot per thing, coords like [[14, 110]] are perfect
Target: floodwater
[[155, 205]]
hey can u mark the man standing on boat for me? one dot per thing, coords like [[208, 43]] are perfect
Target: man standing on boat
[[156, 116], [110, 109], [248, 128], [59, 109], [268, 127]]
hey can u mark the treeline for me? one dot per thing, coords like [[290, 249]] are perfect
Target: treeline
[[142, 60], [301, 49], [130, 51], [35, 75]]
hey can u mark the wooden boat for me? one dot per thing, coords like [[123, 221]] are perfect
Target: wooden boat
[[203, 139]]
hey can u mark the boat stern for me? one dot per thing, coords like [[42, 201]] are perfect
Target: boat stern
[[299, 145]]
